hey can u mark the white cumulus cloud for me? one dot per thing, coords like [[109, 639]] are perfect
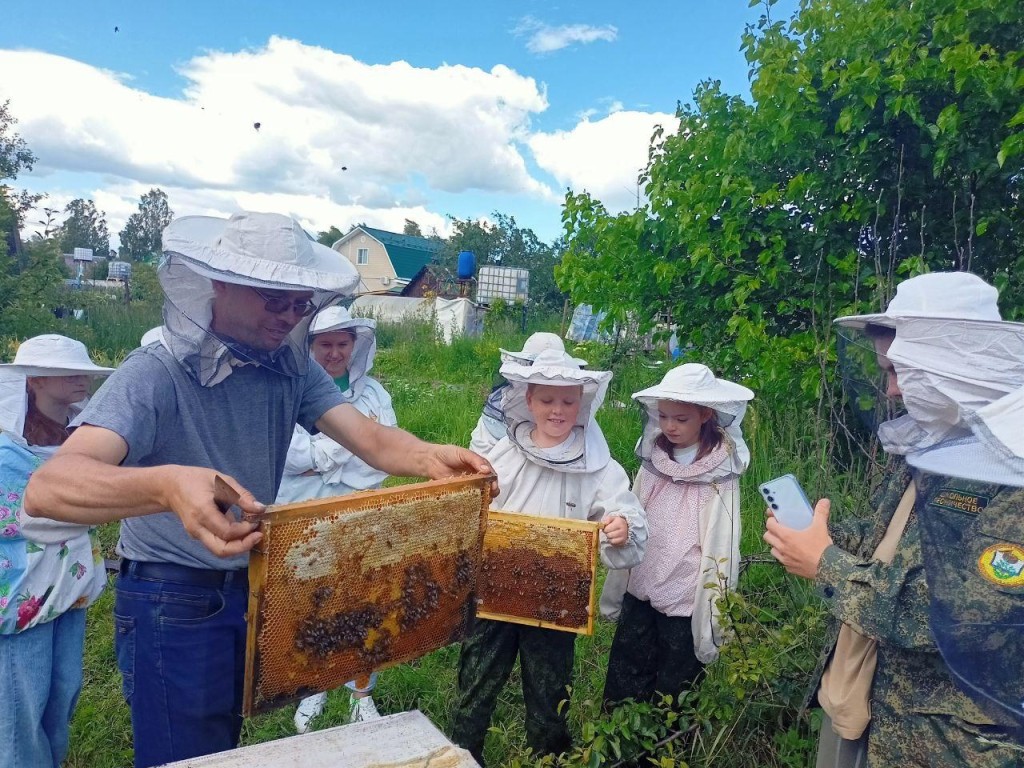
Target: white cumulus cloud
[[335, 136], [602, 157], [543, 38]]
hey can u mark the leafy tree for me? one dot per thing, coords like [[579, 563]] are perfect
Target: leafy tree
[[145, 285], [31, 276], [140, 238], [27, 304], [412, 228], [883, 138], [330, 237], [15, 156], [85, 227], [8, 227]]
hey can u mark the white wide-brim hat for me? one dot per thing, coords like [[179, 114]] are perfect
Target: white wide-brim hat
[[696, 384], [535, 344], [552, 368], [951, 295], [235, 250], [339, 319], [54, 355], [260, 250], [364, 348], [152, 336]]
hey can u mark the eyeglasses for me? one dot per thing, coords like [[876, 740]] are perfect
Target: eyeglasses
[[279, 304]]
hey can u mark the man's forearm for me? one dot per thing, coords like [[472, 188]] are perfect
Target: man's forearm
[[394, 451], [80, 489]]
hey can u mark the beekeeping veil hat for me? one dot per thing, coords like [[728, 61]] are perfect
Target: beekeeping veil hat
[[958, 295], [963, 388], [534, 345], [364, 349], [48, 355], [695, 384], [261, 250], [586, 450], [938, 295]]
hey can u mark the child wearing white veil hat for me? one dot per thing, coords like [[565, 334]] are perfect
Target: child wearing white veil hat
[[49, 571], [490, 427], [693, 453], [317, 467], [553, 462]]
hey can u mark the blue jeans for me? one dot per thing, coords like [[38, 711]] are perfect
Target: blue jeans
[[40, 678], [181, 651]]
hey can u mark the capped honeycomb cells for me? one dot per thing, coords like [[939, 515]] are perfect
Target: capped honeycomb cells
[[538, 571], [345, 586]]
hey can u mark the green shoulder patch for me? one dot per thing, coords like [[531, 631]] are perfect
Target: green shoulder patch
[[960, 501], [1003, 564]]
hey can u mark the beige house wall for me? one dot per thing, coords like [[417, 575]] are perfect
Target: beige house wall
[[378, 264]]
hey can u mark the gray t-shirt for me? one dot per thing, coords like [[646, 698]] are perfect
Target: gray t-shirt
[[241, 426]]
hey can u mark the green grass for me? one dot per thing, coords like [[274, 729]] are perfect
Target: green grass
[[746, 701]]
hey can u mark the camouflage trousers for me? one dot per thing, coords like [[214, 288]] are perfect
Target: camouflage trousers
[[486, 661], [907, 740], [652, 653]]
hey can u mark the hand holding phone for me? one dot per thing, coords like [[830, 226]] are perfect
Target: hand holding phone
[[788, 502]]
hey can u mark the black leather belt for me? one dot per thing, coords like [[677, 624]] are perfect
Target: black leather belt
[[182, 574]]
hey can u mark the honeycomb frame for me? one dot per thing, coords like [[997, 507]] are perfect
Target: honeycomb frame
[[343, 586], [539, 571]]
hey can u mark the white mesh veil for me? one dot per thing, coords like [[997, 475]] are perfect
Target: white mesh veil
[[364, 348], [260, 250], [588, 450], [938, 296], [962, 385], [695, 384]]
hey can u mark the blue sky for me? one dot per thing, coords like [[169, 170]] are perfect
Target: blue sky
[[433, 109]]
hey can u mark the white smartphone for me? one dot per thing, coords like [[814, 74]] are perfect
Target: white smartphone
[[788, 502]]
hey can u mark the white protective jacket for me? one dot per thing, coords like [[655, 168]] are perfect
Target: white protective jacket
[[337, 470]]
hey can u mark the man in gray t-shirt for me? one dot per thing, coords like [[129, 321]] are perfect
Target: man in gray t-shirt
[[219, 396]]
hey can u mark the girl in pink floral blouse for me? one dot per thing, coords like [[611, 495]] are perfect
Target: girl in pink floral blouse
[[49, 571]]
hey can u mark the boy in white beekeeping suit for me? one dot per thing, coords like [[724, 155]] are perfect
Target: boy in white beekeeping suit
[[552, 462], [318, 467]]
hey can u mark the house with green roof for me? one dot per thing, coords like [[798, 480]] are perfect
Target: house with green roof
[[386, 261]]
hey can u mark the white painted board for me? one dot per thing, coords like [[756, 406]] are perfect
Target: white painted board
[[405, 740]]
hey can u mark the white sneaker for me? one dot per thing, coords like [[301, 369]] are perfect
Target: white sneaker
[[363, 709], [308, 708]]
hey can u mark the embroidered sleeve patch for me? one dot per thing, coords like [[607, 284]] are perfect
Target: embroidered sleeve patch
[[960, 501], [1003, 564]]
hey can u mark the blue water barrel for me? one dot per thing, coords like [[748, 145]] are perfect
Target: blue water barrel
[[467, 265]]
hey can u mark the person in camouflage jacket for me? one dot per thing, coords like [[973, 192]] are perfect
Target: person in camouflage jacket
[[918, 715]]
